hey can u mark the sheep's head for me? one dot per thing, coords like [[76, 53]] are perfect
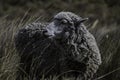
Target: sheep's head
[[64, 25]]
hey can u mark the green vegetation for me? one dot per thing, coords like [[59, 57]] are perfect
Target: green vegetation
[[103, 24]]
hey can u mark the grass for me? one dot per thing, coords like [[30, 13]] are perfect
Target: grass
[[107, 37], [9, 58]]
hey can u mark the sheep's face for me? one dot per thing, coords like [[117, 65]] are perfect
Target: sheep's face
[[63, 25], [60, 28]]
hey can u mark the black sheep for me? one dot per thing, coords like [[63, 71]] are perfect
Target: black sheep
[[63, 47]]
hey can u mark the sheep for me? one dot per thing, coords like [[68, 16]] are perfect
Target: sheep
[[63, 47]]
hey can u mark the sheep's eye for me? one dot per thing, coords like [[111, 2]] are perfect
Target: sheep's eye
[[63, 21]]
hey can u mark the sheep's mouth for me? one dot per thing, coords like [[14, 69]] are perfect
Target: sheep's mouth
[[59, 37]]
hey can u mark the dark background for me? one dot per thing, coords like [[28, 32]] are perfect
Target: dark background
[[107, 11]]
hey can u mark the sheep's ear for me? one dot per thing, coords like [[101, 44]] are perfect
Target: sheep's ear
[[83, 20]]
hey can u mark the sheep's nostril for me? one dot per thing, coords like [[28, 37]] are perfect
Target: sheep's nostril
[[44, 31], [47, 33]]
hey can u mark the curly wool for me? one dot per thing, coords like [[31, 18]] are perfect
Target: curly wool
[[77, 57]]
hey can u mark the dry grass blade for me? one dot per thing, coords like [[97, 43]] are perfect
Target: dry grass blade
[[107, 74]]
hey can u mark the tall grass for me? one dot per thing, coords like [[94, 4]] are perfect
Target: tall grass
[[107, 36], [9, 58]]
